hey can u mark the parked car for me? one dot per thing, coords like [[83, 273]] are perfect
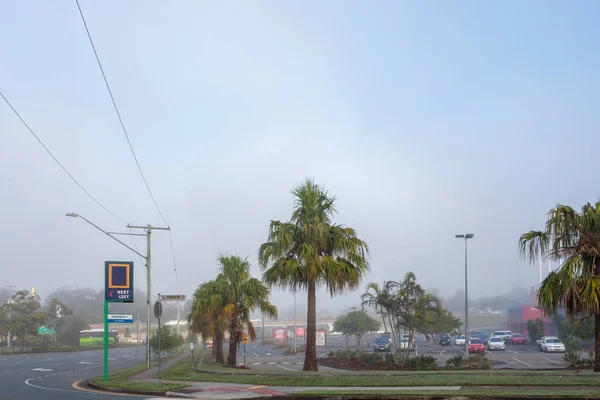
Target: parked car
[[518, 338], [552, 344], [481, 336], [476, 345], [381, 344], [460, 340], [444, 340], [505, 335], [496, 343], [405, 344], [208, 344]]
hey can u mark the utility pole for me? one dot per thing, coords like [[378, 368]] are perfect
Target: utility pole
[[177, 329], [10, 287], [148, 228]]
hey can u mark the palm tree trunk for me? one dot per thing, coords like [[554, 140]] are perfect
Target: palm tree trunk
[[233, 343], [310, 358], [597, 327], [219, 344], [383, 318]]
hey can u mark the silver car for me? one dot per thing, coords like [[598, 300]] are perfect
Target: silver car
[[552, 344], [496, 343]]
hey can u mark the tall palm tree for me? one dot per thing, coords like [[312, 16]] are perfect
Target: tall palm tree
[[373, 297], [208, 317], [243, 295], [310, 251], [573, 237]]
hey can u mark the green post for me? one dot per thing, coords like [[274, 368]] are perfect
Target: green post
[[106, 340]]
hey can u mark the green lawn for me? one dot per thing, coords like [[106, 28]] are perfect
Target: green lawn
[[182, 371], [454, 393], [118, 379]]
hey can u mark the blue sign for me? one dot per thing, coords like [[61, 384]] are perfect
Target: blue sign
[[118, 281], [120, 318]]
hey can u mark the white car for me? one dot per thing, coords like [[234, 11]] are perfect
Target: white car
[[552, 344], [405, 344], [505, 335], [460, 340], [496, 343]]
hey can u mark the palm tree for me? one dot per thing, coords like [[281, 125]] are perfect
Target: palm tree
[[243, 295], [208, 317], [575, 238], [373, 297], [310, 251]]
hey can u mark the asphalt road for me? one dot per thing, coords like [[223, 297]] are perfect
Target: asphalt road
[[51, 376]]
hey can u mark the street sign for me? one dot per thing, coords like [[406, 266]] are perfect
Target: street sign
[[300, 331], [42, 330], [245, 338], [118, 281], [279, 333], [120, 318], [171, 297], [320, 337], [158, 309]]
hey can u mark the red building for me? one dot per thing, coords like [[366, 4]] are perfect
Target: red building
[[517, 318]]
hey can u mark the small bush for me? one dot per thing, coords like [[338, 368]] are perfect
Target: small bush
[[267, 342], [389, 359], [479, 361], [371, 359], [421, 362], [457, 361]]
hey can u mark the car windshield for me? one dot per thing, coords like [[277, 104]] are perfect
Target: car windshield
[[476, 341], [445, 337], [403, 340], [517, 335], [495, 339], [460, 337], [552, 341], [381, 341]]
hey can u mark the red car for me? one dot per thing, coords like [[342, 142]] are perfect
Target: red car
[[476, 345], [517, 338]]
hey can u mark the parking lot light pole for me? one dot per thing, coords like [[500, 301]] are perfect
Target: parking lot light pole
[[466, 237]]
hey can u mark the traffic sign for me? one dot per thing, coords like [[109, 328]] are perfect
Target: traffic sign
[[171, 297], [42, 330], [118, 281], [158, 309], [245, 338], [120, 318]]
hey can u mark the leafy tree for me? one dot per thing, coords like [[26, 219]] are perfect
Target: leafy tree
[[310, 251], [373, 297], [67, 330], [243, 295], [575, 238], [26, 316], [169, 340], [209, 317], [438, 322], [355, 323], [535, 329]]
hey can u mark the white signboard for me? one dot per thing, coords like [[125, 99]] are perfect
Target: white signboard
[[320, 337]]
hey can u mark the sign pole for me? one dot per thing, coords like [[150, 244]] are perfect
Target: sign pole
[[106, 340], [158, 337], [244, 353]]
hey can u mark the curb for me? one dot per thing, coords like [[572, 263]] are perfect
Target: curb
[[162, 393]]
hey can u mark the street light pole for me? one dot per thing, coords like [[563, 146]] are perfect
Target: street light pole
[[466, 237], [148, 259], [10, 287]]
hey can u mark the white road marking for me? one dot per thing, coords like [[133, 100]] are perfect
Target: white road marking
[[514, 352], [255, 354], [28, 383], [268, 354], [255, 363], [272, 363], [86, 362], [555, 362], [487, 352], [522, 362], [286, 363], [42, 369], [287, 369], [300, 362]]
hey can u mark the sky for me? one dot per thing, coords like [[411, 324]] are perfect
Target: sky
[[425, 119]]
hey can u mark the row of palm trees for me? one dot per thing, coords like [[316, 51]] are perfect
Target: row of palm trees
[[225, 304], [302, 254]]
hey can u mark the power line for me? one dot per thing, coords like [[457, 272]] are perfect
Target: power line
[[174, 264], [58, 162], [119, 114]]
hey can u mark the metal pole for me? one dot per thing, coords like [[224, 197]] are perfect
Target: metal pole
[[295, 323], [540, 271], [8, 338], [466, 303], [158, 337], [106, 340], [177, 329], [148, 289], [244, 353]]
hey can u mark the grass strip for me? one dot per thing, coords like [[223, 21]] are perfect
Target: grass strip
[[118, 380], [453, 393]]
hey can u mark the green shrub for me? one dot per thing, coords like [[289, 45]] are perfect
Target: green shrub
[[457, 361], [371, 359], [479, 361], [421, 362]]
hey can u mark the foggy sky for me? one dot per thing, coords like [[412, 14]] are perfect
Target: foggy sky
[[424, 119]]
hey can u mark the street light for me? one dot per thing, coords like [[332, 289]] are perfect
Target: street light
[[466, 237]]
